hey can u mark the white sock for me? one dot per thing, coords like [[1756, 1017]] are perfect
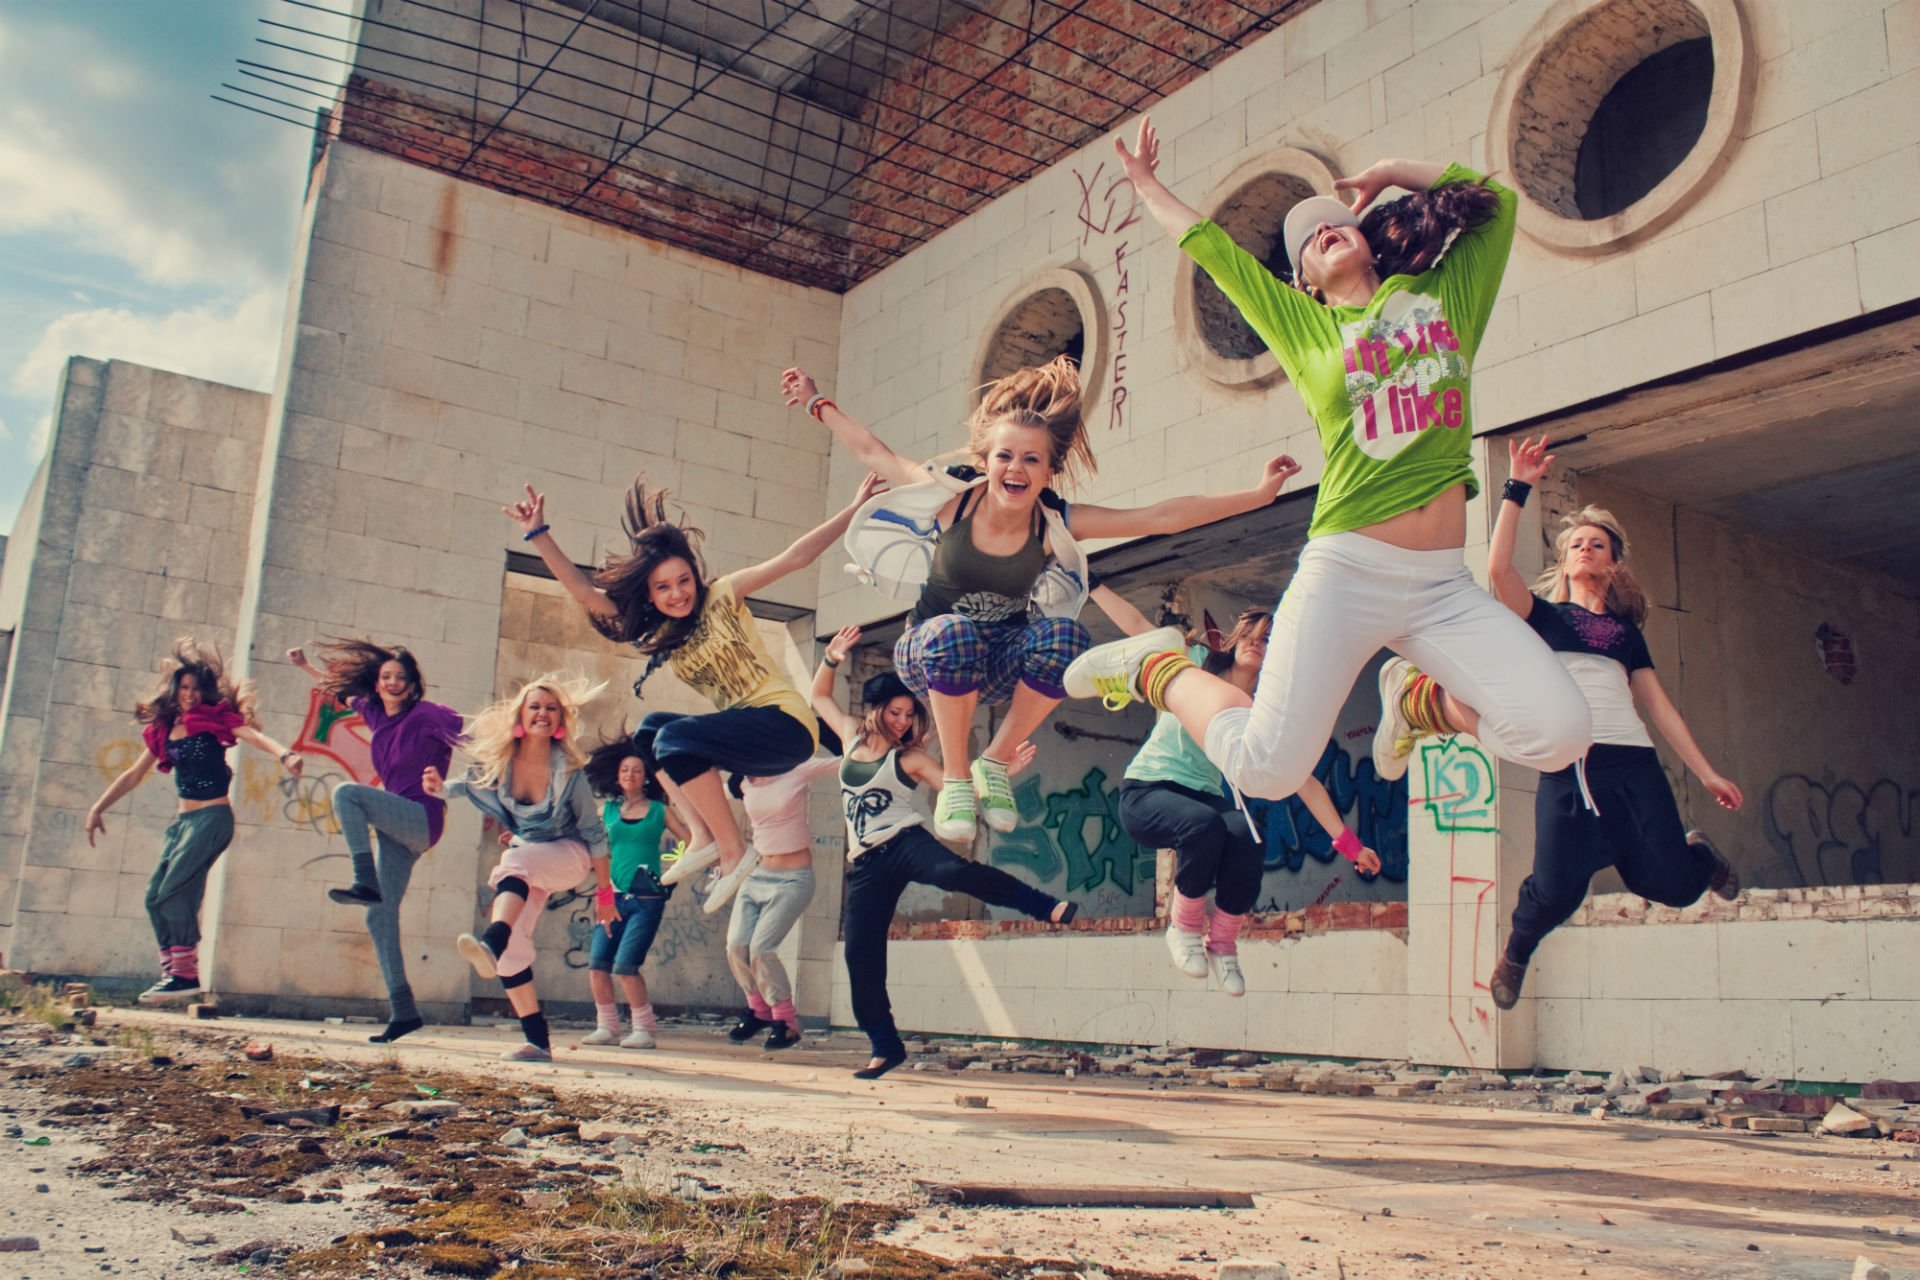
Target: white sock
[[608, 1015], [643, 1019]]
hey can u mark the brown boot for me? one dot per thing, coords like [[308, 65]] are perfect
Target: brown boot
[[1726, 881], [1508, 977]]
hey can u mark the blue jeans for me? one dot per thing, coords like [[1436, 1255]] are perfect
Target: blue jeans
[[622, 948]]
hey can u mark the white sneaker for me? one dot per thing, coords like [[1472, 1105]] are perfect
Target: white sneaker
[[640, 1039], [724, 887], [993, 795], [477, 954], [1189, 951], [1393, 738], [599, 1035], [1111, 672], [691, 861], [1227, 969], [954, 816], [527, 1053]]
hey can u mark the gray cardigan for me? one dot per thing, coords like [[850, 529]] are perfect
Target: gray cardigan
[[568, 811]]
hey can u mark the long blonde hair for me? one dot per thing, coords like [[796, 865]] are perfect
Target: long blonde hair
[[1625, 599], [1047, 397], [490, 739]]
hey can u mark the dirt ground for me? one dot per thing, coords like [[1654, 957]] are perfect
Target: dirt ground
[[658, 1163]]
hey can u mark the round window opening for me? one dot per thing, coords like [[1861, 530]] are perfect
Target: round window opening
[[1045, 325], [1644, 128], [1252, 217]]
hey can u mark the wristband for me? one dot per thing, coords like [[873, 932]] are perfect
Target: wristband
[[817, 405], [603, 896], [1516, 492], [531, 534], [830, 661], [1347, 844]]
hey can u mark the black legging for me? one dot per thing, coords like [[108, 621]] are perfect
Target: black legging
[[1212, 838], [1637, 830], [875, 881]]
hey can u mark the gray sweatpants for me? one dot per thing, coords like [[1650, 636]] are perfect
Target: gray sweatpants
[[769, 904], [400, 825], [195, 841]]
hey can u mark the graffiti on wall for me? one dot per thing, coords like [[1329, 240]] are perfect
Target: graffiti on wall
[[1374, 808], [688, 931], [1108, 206], [1842, 832], [1459, 786], [1075, 831]]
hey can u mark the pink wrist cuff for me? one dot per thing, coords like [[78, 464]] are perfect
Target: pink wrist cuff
[[604, 895], [1347, 844]]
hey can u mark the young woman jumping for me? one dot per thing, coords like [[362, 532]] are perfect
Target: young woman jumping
[[188, 723], [382, 685], [657, 598], [1378, 336], [1614, 807], [637, 820], [529, 777], [888, 845], [1172, 798], [996, 562]]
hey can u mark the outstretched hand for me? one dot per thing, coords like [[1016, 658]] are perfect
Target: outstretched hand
[[1528, 460], [1023, 755], [1363, 188], [96, 825], [842, 643], [1278, 471], [530, 511], [797, 387], [1141, 162], [873, 483]]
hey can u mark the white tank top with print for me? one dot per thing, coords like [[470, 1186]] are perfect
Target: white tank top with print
[[881, 807]]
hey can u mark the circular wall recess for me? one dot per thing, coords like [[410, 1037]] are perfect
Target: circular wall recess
[[1250, 206], [1613, 115], [1051, 313]]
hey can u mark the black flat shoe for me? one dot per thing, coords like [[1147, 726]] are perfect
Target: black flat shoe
[[359, 895], [750, 1025], [781, 1037], [397, 1029], [880, 1068], [1066, 917]]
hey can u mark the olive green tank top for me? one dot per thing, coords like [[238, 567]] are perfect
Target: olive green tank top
[[967, 581]]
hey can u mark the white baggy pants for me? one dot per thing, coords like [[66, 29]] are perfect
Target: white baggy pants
[[1353, 595]]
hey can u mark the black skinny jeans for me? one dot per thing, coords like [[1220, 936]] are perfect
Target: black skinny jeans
[[875, 881], [1212, 837], [1637, 830]]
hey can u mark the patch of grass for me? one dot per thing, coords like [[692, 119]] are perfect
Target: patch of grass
[[38, 1004], [136, 1040]]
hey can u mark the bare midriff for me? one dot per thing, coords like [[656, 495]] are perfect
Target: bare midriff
[[188, 806], [1440, 525], [798, 861]]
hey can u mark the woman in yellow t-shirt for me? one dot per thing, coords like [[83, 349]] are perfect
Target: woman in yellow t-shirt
[[657, 598]]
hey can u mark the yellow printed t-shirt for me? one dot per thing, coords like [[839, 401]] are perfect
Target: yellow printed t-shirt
[[726, 660]]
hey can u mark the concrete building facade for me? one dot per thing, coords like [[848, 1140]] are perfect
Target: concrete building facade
[[1725, 352]]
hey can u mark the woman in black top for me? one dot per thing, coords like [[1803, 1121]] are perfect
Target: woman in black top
[[190, 721], [1614, 807]]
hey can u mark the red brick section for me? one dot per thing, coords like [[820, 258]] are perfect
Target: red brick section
[[1270, 926], [1002, 93]]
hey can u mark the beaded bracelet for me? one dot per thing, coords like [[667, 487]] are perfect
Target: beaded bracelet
[[531, 534]]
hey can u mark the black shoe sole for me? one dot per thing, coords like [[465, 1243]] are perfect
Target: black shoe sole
[[874, 1073], [1067, 916], [355, 897], [395, 1030]]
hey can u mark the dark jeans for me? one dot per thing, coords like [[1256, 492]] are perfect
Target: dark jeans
[[622, 949], [1637, 830], [875, 881], [757, 742], [1212, 837]]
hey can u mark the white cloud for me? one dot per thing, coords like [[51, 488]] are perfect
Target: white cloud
[[235, 344]]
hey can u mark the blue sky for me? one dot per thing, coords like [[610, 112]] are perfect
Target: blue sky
[[139, 219]]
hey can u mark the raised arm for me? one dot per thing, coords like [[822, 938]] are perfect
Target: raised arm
[[824, 704], [1130, 620], [130, 777], [1174, 215], [297, 658], [1528, 461], [1664, 716], [530, 513], [1175, 514], [808, 546], [1408, 175], [1320, 805], [293, 761], [799, 388]]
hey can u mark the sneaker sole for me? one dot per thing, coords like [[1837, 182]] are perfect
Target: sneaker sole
[[686, 865], [651, 1044], [1078, 680], [1388, 765], [475, 953], [150, 999]]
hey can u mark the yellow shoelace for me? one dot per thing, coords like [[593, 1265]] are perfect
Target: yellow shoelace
[[1116, 691]]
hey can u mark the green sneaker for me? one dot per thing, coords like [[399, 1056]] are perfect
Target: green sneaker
[[994, 795], [954, 816]]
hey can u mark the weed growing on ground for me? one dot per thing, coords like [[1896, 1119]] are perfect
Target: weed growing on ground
[[138, 1041], [37, 1003]]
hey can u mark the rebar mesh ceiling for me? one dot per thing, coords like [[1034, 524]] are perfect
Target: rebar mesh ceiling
[[815, 142]]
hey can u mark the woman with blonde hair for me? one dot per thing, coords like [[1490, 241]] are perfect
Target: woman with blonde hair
[[529, 776], [992, 554], [1614, 807], [195, 714]]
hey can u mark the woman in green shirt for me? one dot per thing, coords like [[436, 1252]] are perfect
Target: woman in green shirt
[[1378, 337]]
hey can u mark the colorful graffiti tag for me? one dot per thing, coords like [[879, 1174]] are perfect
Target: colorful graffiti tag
[[1054, 833], [1374, 808]]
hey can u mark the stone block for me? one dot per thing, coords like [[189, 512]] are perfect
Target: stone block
[[1804, 79], [1369, 53], [1786, 300]]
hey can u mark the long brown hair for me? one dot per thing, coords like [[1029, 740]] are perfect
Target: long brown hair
[[1625, 599], [1250, 622], [603, 767], [654, 538], [1047, 397], [1409, 235], [208, 668], [353, 669]]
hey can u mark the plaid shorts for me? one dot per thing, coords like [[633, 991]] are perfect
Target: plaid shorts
[[955, 655]]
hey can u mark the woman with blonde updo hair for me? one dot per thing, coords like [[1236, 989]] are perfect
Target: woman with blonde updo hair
[[991, 552], [1614, 806], [529, 776]]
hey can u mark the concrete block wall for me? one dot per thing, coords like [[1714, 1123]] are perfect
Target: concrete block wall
[[136, 535]]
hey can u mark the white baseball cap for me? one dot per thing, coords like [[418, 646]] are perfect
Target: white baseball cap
[[1309, 214]]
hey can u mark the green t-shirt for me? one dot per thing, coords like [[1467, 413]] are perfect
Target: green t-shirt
[[1387, 383], [1171, 755], [634, 844]]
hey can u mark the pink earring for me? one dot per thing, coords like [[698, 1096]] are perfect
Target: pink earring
[[559, 731], [519, 731]]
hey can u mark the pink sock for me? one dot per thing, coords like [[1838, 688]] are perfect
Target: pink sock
[[785, 1012], [186, 963], [643, 1019], [761, 1009], [1223, 933], [608, 1016], [1189, 914], [166, 962]]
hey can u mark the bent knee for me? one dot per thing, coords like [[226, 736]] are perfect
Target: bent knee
[[1554, 732]]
